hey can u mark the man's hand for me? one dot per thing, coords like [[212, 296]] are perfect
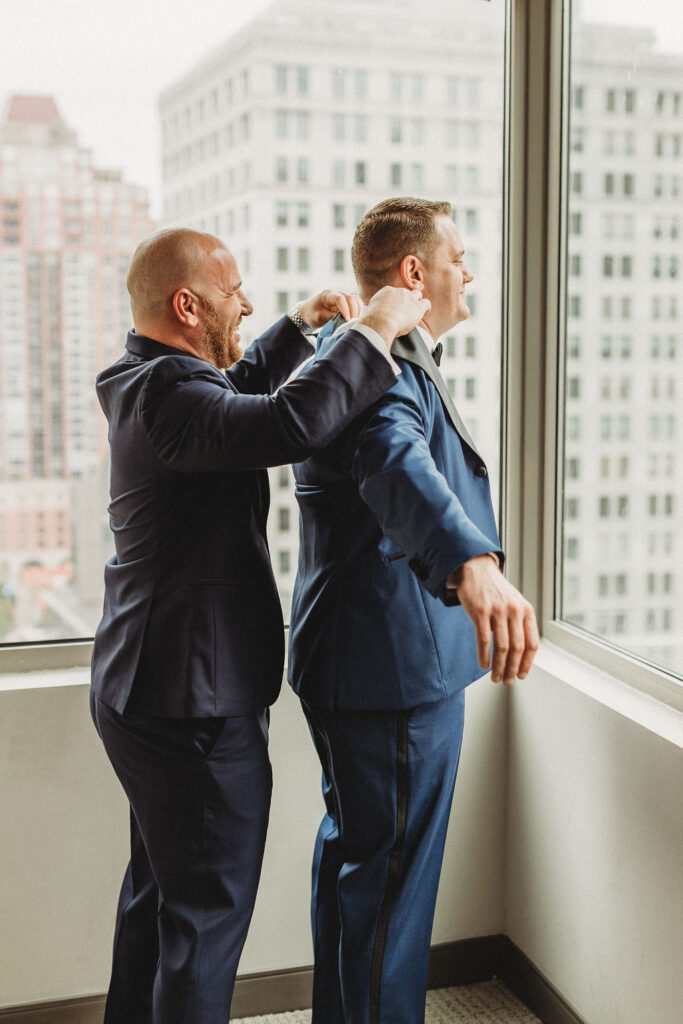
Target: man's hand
[[495, 606], [395, 311], [320, 308]]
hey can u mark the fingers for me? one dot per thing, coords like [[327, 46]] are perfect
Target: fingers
[[340, 301], [501, 642], [515, 642], [498, 611], [483, 628], [532, 642]]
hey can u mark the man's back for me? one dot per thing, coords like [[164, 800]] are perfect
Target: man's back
[[388, 510]]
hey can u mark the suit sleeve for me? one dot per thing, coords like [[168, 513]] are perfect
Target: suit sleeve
[[270, 359], [411, 499], [196, 424]]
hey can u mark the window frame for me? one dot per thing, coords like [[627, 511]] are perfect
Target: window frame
[[535, 249]]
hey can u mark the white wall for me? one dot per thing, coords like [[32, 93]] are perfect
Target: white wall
[[595, 844], [586, 880], [64, 829]]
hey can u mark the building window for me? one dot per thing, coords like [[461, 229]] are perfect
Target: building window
[[303, 214], [302, 262], [338, 259], [281, 258], [302, 80], [281, 214]]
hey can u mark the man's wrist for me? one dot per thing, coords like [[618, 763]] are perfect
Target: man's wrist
[[384, 325], [455, 578], [298, 320]]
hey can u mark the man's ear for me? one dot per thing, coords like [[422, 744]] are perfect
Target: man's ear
[[411, 272], [185, 307]]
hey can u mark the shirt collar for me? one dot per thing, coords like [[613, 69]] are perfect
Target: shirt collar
[[426, 337], [422, 331]]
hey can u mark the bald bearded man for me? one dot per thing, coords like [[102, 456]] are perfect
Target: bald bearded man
[[189, 652]]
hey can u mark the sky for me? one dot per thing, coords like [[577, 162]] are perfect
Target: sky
[[105, 64]]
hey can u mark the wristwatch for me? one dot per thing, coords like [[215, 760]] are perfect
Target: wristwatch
[[298, 321]]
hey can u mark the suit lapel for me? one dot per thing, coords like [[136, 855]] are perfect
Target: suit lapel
[[412, 348]]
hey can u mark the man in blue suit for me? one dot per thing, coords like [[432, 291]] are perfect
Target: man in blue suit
[[189, 652], [398, 593]]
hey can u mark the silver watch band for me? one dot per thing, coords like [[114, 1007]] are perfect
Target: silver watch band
[[295, 316]]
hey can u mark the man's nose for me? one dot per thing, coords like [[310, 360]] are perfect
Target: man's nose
[[247, 308]]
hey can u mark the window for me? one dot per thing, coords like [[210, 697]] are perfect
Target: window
[[282, 258], [338, 215], [249, 130], [283, 519], [284, 561], [302, 261], [303, 215], [619, 327]]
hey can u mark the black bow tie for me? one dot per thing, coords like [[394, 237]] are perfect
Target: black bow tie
[[437, 352]]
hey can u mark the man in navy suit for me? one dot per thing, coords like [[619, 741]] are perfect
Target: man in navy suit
[[189, 652], [398, 593]]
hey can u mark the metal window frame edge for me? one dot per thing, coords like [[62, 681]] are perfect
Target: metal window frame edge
[[535, 351], [44, 657]]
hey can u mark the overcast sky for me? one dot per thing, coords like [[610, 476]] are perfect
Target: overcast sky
[[106, 63]]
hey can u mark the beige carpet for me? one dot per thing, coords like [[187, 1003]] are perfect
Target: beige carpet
[[490, 1002]]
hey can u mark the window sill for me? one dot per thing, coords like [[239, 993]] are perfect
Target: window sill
[[656, 715], [44, 679]]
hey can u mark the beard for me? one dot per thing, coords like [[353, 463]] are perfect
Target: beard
[[220, 339]]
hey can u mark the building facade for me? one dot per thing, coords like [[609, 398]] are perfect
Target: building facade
[[623, 487], [67, 231]]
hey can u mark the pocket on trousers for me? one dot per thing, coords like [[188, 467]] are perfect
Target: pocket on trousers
[[207, 732]]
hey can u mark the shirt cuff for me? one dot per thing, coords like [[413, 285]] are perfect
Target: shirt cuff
[[378, 341]]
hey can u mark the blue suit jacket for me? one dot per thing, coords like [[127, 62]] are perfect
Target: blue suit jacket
[[192, 625], [396, 503]]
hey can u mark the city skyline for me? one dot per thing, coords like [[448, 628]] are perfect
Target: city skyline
[[129, 66]]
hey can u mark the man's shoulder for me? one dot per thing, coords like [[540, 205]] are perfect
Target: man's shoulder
[[166, 367]]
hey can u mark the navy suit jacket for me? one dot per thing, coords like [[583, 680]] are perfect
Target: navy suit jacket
[[192, 625], [394, 505]]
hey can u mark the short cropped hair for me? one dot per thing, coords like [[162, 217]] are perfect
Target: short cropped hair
[[393, 229]]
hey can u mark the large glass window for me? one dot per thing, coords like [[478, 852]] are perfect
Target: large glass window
[[82, 181], [622, 477]]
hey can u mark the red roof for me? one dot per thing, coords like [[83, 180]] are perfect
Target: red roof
[[33, 109]]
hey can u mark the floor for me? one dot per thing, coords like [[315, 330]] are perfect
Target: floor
[[489, 1002]]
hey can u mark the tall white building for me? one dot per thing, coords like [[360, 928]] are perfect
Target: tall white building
[[623, 549]]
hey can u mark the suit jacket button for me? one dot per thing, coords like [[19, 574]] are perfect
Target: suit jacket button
[[481, 471]]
